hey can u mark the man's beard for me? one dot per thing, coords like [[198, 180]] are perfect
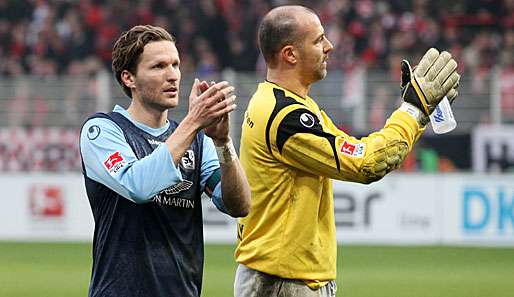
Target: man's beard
[[157, 100], [320, 72]]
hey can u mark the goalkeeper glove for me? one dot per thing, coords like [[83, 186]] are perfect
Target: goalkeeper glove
[[433, 78]]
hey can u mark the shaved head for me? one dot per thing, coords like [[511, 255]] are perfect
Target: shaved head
[[280, 27]]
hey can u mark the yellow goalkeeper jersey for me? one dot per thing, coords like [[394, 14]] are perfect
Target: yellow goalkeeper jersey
[[290, 151]]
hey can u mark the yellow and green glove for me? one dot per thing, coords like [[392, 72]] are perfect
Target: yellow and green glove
[[433, 78]]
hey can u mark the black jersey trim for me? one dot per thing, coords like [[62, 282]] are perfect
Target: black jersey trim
[[281, 102], [303, 120]]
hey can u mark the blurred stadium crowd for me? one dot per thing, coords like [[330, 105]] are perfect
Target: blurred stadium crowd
[[51, 37], [54, 52]]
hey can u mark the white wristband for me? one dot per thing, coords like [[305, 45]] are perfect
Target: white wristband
[[415, 113], [226, 153]]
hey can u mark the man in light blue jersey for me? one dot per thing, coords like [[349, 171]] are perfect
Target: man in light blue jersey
[[144, 174]]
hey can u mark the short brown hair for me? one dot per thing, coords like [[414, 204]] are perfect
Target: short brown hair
[[130, 45]]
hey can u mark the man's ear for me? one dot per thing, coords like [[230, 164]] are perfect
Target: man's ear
[[289, 54], [128, 79]]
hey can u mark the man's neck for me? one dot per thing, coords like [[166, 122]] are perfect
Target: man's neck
[[145, 115], [289, 80]]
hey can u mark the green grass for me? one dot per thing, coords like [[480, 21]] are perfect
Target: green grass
[[62, 269]]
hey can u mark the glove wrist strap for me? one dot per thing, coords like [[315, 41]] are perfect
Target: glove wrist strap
[[414, 112]]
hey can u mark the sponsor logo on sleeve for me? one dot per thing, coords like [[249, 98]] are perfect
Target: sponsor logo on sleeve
[[307, 120], [114, 163], [93, 132], [354, 150]]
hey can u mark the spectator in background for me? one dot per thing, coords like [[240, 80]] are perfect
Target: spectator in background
[[364, 31], [213, 27], [52, 38], [506, 77], [207, 65], [82, 97]]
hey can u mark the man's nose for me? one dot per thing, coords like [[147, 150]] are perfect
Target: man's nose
[[328, 46], [172, 73]]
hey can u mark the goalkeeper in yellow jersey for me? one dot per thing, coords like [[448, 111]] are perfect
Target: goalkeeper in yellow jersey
[[290, 150]]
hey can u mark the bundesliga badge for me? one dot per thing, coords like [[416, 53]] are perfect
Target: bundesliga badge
[[114, 163], [354, 150]]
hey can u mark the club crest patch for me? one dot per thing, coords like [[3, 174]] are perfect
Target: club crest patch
[[188, 160], [353, 149]]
